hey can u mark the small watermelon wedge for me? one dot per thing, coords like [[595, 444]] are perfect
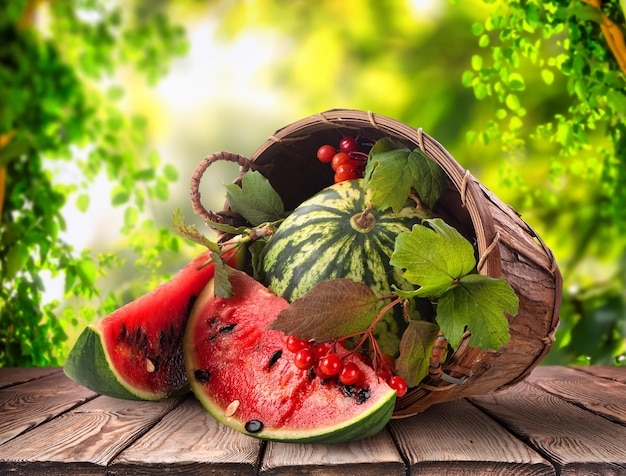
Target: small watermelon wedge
[[136, 351], [245, 376]]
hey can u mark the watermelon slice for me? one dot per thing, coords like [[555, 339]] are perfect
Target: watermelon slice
[[244, 375], [136, 351]]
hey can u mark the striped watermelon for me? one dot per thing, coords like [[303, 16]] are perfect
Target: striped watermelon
[[319, 241]]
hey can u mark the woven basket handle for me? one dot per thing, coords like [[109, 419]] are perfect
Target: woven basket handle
[[244, 163]]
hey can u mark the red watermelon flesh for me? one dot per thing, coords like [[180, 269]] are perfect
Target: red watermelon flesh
[[136, 351], [245, 376]]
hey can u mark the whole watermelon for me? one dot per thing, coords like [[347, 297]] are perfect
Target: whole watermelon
[[324, 239]]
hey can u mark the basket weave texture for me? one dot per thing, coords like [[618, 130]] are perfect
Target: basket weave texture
[[507, 247]]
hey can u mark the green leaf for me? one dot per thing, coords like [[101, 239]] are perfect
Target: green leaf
[[131, 216], [222, 287], [256, 200], [16, 259], [477, 303], [516, 82], [87, 272], [82, 202], [329, 310], [433, 257], [388, 178], [191, 233], [415, 348], [547, 76], [226, 228], [170, 173], [431, 181], [119, 195]]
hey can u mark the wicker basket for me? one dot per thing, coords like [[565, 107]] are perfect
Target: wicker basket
[[508, 248]]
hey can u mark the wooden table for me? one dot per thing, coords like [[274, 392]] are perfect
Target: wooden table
[[561, 421]]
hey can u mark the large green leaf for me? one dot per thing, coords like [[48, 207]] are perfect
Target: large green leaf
[[433, 257], [477, 303], [256, 200]]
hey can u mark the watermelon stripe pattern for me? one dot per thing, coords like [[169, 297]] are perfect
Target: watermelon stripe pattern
[[318, 241]]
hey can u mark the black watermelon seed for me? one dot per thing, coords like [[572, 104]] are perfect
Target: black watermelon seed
[[172, 335], [253, 426], [363, 395], [144, 342], [162, 339], [122, 335], [274, 358], [348, 390], [202, 376], [138, 336], [227, 328], [190, 303]]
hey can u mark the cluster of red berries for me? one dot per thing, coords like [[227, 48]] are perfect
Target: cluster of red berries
[[348, 162], [325, 363]]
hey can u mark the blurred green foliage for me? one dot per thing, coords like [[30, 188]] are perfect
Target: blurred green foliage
[[53, 108], [525, 94]]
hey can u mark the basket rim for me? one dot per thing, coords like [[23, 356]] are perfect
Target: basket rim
[[472, 198]]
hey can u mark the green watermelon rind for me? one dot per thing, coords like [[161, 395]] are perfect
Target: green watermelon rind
[[88, 364], [361, 426]]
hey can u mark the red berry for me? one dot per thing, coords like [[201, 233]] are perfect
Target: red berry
[[326, 153], [350, 374], [318, 371], [331, 364], [348, 144], [384, 374], [398, 384], [294, 344], [322, 349], [338, 159], [304, 358], [346, 172]]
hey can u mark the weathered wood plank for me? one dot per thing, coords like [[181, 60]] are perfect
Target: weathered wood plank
[[83, 440], [27, 405], [16, 375], [188, 440], [575, 440], [369, 457], [602, 396], [456, 438], [617, 374]]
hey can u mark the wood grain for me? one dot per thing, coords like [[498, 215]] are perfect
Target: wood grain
[[602, 396], [617, 374], [575, 440], [83, 440], [457, 438], [189, 440], [30, 404], [373, 456], [17, 375]]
